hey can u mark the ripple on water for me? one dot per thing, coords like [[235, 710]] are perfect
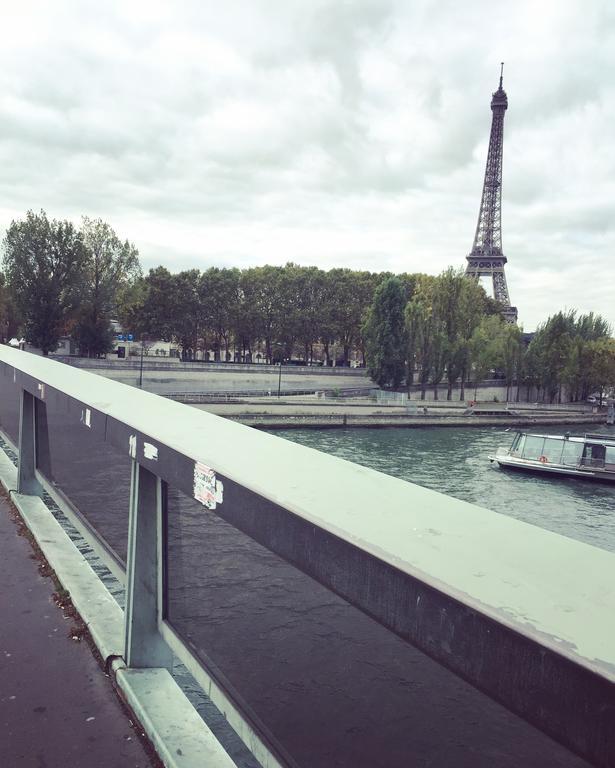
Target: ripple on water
[[454, 461]]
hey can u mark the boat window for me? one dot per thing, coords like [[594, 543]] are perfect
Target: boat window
[[552, 449], [610, 455], [517, 445], [533, 447], [572, 453], [593, 455]]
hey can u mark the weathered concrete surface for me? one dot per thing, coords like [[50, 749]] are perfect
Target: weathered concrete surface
[[57, 707]]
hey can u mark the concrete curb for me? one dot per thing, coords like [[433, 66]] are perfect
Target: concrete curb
[[178, 734]]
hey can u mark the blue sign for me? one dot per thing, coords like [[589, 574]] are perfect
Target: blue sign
[[120, 337], [130, 337]]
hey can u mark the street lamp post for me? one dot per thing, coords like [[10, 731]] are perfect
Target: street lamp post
[[141, 367], [279, 348]]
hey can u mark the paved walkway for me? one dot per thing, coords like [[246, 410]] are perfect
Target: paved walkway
[[57, 707]]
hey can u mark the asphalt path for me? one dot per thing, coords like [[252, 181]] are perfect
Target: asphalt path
[[58, 709]]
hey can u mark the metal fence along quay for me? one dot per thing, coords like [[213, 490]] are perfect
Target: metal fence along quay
[[309, 596]]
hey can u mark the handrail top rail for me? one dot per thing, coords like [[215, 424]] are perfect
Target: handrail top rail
[[548, 586]]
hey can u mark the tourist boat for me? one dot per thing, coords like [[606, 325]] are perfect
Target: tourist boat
[[590, 457]]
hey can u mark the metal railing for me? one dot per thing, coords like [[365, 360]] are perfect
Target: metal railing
[[208, 522]]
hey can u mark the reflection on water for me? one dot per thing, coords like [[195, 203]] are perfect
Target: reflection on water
[[332, 686], [454, 461]]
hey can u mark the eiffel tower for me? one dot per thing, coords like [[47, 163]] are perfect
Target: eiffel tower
[[486, 258]]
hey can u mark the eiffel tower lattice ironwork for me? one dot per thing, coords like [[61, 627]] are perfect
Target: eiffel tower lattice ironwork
[[486, 258]]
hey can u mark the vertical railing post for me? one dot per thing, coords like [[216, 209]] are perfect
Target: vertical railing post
[[26, 473], [144, 646]]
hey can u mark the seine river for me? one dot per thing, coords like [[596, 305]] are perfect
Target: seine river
[[454, 461]]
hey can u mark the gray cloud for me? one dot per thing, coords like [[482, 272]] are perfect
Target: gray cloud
[[327, 133]]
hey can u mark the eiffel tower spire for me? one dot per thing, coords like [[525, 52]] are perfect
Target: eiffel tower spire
[[486, 257]]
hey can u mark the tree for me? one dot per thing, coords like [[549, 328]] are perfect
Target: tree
[[551, 348], [310, 285], [9, 318], [385, 334], [461, 302], [156, 307], [190, 316], [485, 348], [419, 324], [511, 352], [44, 261], [110, 266], [221, 287], [603, 364], [352, 295], [130, 300]]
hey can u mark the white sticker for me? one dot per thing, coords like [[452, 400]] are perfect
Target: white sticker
[[132, 446], [86, 417], [207, 490], [41, 389], [150, 451]]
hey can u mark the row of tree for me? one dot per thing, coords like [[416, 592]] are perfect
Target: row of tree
[[447, 331], [61, 279], [410, 328], [286, 310]]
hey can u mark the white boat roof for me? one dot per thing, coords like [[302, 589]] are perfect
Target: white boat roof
[[588, 438]]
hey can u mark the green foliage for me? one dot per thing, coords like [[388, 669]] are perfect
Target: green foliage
[[440, 319], [485, 347], [385, 334], [569, 351], [110, 267], [43, 262], [93, 335], [220, 289], [351, 294], [8, 312], [155, 314]]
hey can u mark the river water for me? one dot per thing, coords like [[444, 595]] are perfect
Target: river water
[[454, 461]]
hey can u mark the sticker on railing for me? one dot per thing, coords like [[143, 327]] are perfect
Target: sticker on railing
[[132, 446], [86, 417], [207, 489], [41, 389], [150, 452]]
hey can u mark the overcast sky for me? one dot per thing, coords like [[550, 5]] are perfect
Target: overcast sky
[[322, 132]]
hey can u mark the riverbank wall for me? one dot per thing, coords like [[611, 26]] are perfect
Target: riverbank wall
[[322, 421], [291, 413]]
